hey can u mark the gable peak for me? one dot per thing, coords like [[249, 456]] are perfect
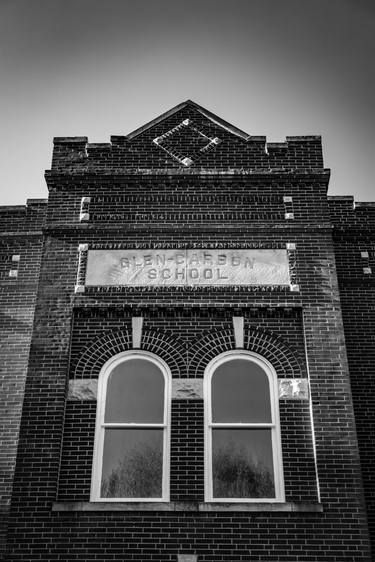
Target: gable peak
[[190, 104]]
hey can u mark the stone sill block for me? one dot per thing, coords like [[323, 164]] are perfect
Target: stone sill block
[[188, 506]]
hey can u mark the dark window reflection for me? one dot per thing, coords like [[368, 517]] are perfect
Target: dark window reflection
[[242, 464], [135, 393], [240, 393], [132, 463]]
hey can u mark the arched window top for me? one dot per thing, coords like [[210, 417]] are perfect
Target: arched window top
[[240, 392], [135, 392], [131, 455], [243, 453]]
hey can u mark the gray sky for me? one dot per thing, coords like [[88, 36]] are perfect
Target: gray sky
[[270, 67]]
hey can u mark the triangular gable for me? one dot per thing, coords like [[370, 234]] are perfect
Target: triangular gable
[[186, 135], [188, 103]]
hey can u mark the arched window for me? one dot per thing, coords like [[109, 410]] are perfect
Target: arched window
[[131, 456], [243, 453]]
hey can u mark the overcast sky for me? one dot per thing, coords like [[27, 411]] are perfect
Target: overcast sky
[[271, 67]]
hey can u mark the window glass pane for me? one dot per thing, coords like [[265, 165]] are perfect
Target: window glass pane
[[242, 465], [135, 393], [240, 393], [132, 463]]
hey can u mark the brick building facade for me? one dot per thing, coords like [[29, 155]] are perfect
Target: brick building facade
[[188, 340]]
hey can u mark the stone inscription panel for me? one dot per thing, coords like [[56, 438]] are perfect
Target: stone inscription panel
[[187, 267]]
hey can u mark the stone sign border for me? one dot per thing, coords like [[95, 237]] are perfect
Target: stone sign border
[[83, 250]]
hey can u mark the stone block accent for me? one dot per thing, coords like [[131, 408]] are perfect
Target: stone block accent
[[137, 323], [294, 389], [238, 326], [83, 389], [187, 388]]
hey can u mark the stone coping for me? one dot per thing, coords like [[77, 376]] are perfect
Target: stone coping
[[313, 507]]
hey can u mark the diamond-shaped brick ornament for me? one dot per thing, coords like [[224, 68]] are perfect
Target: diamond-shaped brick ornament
[[186, 142]]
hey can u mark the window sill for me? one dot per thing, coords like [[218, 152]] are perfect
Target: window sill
[[188, 506]]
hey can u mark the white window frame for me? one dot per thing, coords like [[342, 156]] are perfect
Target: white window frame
[[101, 425], [274, 425]]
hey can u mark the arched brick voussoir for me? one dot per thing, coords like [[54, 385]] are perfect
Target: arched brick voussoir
[[171, 349], [284, 360], [206, 348], [165, 346], [270, 346], [97, 354], [192, 362]]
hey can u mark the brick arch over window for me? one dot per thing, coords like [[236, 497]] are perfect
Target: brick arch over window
[[103, 348], [267, 344], [208, 346], [270, 346], [167, 347]]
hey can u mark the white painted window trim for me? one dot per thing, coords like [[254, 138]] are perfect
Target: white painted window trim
[[274, 425], [100, 425]]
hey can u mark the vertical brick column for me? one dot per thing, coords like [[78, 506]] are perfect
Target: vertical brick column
[[20, 252], [41, 431], [337, 457]]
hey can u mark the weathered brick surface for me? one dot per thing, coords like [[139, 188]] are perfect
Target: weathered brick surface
[[233, 195], [354, 237], [20, 252]]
